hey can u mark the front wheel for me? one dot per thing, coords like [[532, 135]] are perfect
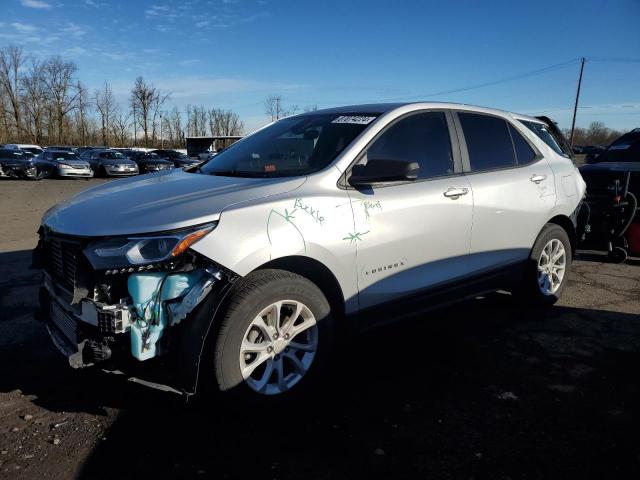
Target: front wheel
[[548, 267], [275, 335]]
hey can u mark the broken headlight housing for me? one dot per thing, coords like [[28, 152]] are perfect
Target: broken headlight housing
[[136, 251]]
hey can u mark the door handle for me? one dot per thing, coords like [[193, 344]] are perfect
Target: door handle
[[537, 178], [455, 192]]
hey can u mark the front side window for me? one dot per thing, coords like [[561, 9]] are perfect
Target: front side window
[[422, 138], [294, 146], [488, 141]]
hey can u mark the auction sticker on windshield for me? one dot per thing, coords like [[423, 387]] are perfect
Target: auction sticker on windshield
[[357, 119]]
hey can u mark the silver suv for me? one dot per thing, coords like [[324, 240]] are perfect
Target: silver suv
[[237, 273]]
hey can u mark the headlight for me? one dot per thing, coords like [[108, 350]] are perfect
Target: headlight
[[142, 250], [64, 165]]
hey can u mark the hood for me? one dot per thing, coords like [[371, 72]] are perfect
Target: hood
[[16, 162], [117, 161], [159, 202]]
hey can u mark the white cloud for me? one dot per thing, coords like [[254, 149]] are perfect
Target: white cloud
[[202, 23], [35, 4], [74, 30], [185, 63], [23, 27]]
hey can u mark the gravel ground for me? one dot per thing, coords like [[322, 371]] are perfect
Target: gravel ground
[[485, 389]]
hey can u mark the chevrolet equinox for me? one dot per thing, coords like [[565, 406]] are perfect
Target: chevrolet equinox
[[237, 274]]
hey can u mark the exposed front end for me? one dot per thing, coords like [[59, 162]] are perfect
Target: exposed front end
[[128, 304]]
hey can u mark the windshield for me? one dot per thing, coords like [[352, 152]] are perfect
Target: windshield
[[64, 155], [117, 155], [293, 146], [622, 152]]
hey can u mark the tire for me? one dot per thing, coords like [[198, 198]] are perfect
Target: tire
[[253, 298], [40, 174], [542, 287]]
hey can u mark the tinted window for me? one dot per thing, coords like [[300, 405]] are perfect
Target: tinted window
[[488, 141], [422, 138], [524, 152], [543, 132]]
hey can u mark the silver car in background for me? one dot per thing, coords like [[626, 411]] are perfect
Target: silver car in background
[[239, 274], [62, 163]]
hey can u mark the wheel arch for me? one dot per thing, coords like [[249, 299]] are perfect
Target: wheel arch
[[316, 272], [566, 223]]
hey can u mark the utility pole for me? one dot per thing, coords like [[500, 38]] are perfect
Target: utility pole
[[135, 127], [575, 107], [278, 107], [161, 137]]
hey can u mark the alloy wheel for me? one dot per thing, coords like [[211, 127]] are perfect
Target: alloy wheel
[[278, 347], [551, 267]]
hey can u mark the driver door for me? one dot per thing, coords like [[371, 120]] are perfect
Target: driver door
[[412, 235]]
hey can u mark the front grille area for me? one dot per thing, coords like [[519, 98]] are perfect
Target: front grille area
[[61, 258], [65, 323]]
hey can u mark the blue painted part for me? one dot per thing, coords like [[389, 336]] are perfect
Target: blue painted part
[[143, 288]]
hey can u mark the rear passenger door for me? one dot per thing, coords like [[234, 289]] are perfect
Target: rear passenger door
[[411, 235], [513, 189]]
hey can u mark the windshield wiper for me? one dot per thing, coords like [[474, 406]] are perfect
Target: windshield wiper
[[234, 173]]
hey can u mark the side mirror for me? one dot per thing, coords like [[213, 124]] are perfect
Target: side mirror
[[379, 170]]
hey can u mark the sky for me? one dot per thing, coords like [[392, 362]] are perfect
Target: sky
[[232, 54]]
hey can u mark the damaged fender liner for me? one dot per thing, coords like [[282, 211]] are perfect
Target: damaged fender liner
[[183, 344]]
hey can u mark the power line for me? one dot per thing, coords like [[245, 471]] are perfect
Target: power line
[[511, 78]]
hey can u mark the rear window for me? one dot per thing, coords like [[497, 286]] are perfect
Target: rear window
[[488, 142], [524, 152], [544, 133]]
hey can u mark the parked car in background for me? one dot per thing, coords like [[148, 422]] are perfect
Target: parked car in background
[[63, 163], [179, 159], [240, 274], [15, 163], [60, 148], [624, 150], [109, 163], [35, 149], [83, 149], [148, 162]]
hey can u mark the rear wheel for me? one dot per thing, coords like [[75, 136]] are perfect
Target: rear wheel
[[548, 267], [275, 335]]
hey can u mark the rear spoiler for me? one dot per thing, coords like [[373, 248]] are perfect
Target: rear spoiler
[[557, 135]]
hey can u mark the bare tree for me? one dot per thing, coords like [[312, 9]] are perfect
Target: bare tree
[[120, 127], [11, 60], [34, 100], [146, 101], [272, 107], [224, 122], [83, 107], [311, 108], [60, 90], [105, 105]]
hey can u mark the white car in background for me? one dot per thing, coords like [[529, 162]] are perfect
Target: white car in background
[[240, 272]]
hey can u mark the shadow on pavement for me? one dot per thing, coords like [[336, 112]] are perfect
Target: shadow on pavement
[[485, 389]]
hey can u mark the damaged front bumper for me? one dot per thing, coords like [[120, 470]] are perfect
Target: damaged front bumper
[[156, 330]]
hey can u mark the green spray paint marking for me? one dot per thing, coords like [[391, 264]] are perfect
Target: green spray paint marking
[[354, 237], [287, 217]]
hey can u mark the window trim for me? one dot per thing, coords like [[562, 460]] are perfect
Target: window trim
[[466, 163], [343, 184]]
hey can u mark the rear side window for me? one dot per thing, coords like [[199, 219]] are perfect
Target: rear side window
[[488, 142], [543, 132], [422, 138], [524, 152]]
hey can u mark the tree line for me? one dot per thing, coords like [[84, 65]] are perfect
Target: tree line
[[43, 101], [596, 134]]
